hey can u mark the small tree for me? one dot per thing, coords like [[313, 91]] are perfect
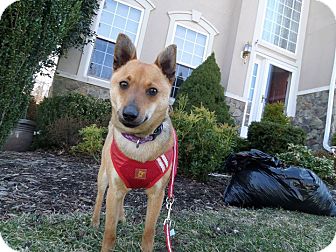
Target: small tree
[[274, 112], [203, 88], [32, 31], [275, 131]]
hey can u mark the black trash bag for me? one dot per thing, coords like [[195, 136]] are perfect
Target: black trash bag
[[292, 188], [250, 159]]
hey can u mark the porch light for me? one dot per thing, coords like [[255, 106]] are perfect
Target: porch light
[[246, 52]]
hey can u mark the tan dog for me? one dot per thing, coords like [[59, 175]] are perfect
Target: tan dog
[[140, 103]]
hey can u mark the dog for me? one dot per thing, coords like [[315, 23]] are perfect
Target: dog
[[140, 133]]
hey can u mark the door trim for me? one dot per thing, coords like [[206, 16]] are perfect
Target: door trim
[[264, 62]]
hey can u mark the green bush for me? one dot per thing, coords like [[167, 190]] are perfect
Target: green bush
[[63, 133], [300, 155], [82, 109], [273, 137], [204, 89], [274, 112], [333, 140], [328, 155], [203, 144], [242, 145], [92, 141], [33, 33], [32, 109]]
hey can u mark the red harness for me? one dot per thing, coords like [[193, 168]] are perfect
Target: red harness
[[136, 174]]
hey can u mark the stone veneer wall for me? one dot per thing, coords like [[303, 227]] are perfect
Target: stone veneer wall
[[311, 114], [62, 85], [236, 110], [333, 119]]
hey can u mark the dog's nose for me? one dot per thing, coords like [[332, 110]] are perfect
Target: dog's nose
[[130, 113]]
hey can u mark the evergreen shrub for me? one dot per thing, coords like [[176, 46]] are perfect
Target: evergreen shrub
[[61, 116], [203, 88], [203, 143]]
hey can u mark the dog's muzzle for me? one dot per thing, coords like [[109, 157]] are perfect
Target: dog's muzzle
[[130, 116]]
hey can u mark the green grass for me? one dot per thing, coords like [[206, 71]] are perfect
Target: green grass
[[230, 229]]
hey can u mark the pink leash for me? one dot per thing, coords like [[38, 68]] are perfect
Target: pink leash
[[170, 197]]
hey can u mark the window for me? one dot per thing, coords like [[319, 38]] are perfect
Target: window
[[182, 73], [251, 94], [115, 18], [190, 53], [190, 46], [281, 25]]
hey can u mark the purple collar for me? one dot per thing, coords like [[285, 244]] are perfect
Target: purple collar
[[142, 140]]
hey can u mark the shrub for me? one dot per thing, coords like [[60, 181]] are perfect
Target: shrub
[[333, 140], [274, 138], [204, 89], [274, 112], [300, 155], [326, 154], [242, 145], [64, 132], [32, 33], [92, 141], [82, 109], [203, 144], [32, 109]]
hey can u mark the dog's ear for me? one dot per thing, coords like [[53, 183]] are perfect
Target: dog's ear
[[124, 51], [166, 61]]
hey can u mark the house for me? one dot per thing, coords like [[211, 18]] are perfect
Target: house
[[268, 51]]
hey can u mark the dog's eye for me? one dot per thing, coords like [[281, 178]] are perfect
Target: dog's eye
[[123, 84], [152, 91]]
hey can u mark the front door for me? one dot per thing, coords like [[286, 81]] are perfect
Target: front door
[[269, 82]]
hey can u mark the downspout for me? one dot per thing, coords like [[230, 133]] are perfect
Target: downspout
[[330, 108]]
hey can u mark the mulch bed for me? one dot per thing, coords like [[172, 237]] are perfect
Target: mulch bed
[[44, 183]]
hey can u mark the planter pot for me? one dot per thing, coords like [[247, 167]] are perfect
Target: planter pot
[[21, 137]]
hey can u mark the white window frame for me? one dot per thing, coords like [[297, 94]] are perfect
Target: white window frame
[[129, 5], [194, 16], [205, 54], [267, 47], [254, 94], [275, 47], [82, 74]]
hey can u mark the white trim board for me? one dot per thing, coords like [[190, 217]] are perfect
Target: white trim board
[[85, 79], [236, 97], [313, 90]]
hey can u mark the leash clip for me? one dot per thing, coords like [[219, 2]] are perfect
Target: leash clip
[[137, 143], [169, 202], [169, 206]]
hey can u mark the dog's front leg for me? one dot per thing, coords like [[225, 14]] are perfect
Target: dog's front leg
[[102, 185], [155, 199], [113, 201]]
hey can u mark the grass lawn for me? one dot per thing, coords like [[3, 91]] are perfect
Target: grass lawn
[[230, 229]]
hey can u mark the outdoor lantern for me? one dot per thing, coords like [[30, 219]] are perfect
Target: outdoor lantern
[[246, 51]]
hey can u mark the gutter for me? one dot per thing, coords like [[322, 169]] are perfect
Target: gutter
[[330, 109]]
